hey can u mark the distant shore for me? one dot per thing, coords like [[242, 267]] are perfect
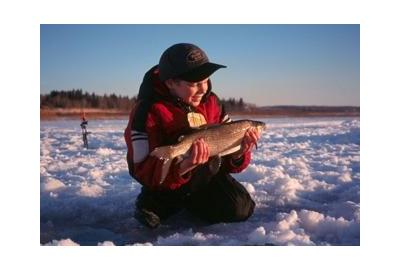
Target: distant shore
[[56, 114]]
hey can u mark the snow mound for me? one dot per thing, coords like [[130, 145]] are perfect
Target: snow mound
[[62, 242], [52, 184], [104, 151], [187, 238], [300, 228], [90, 190], [106, 243]]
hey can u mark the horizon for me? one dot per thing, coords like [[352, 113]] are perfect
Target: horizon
[[224, 98], [294, 65]]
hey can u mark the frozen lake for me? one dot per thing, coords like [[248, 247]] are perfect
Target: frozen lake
[[304, 178]]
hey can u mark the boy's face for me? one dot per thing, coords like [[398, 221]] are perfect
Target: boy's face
[[190, 92]]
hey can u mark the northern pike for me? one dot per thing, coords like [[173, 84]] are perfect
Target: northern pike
[[222, 140]]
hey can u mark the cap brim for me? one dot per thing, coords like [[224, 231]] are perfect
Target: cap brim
[[200, 73]]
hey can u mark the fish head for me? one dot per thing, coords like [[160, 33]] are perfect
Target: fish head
[[260, 126]]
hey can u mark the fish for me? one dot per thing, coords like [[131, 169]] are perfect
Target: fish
[[222, 139]]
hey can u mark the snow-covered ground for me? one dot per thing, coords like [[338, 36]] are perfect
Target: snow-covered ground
[[304, 177]]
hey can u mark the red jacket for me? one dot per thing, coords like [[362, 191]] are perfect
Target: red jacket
[[160, 122]]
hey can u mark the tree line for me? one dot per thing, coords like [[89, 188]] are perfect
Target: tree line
[[76, 98], [236, 105]]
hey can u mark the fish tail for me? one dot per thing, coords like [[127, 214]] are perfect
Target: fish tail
[[163, 152], [166, 154], [165, 169]]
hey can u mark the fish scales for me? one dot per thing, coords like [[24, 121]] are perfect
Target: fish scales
[[218, 139]]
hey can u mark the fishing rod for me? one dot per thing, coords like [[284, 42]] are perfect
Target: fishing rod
[[84, 123]]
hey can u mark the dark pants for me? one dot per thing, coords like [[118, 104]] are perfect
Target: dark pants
[[218, 198]]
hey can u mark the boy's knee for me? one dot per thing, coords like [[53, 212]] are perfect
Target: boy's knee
[[240, 210]]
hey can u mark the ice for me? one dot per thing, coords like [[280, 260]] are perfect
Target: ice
[[304, 178]]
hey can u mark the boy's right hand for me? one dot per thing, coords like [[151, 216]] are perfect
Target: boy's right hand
[[199, 154]]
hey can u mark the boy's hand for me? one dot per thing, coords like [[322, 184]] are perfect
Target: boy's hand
[[250, 139], [199, 154]]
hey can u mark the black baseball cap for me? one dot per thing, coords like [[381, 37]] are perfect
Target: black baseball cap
[[187, 62]]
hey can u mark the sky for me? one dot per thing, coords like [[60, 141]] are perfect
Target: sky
[[267, 64]]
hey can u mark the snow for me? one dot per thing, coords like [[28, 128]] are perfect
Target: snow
[[90, 190], [304, 178], [52, 184], [62, 242]]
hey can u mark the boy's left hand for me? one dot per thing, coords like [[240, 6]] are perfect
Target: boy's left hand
[[250, 139]]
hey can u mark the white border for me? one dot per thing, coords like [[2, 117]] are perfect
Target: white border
[[20, 136]]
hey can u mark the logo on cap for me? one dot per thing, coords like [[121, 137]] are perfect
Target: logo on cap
[[195, 56]]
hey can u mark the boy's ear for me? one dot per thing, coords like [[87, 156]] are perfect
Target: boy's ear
[[169, 83]]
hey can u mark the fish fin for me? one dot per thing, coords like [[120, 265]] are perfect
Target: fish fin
[[179, 159], [214, 164], [205, 126]]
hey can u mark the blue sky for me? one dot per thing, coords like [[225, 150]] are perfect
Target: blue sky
[[267, 64]]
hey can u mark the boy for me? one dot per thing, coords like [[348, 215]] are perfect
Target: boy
[[174, 97]]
